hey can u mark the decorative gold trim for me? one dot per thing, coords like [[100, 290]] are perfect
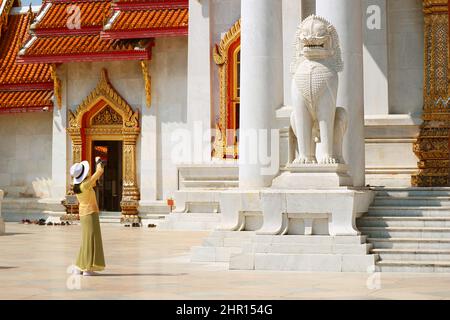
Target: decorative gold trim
[[56, 85], [148, 82], [221, 58], [432, 145], [104, 96]]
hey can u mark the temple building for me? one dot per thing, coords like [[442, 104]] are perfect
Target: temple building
[[161, 90]]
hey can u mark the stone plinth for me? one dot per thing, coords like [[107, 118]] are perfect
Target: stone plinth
[[320, 212], [316, 176], [2, 223]]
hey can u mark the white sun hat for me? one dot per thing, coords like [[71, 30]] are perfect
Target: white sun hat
[[79, 171]]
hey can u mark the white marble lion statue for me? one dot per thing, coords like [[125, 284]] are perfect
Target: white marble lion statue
[[317, 122]]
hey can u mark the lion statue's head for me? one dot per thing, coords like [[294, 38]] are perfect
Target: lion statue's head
[[317, 39]]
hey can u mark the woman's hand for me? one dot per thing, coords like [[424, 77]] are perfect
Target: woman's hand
[[99, 166]]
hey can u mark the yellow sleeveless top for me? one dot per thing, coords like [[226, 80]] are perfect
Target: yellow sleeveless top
[[87, 199]]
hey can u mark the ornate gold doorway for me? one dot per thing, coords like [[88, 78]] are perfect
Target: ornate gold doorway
[[105, 116]]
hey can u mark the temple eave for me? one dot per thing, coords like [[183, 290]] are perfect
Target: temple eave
[[26, 109], [145, 33], [26, 86], [86, 57], [181, 4]]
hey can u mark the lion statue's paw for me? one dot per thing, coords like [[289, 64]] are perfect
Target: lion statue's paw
[[305, 160], [327, 160]]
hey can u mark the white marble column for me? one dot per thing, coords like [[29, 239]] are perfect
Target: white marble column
[[199, 77], [261, 86], [59, 142], [292, 15], [60, 160], [308, 8], [346, 16]]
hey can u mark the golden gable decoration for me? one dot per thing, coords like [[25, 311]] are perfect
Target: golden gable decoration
[[107, 116]]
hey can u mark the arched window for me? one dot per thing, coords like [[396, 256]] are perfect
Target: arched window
[[227, 56]]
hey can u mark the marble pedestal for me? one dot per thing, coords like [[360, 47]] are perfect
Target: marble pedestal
[[2, 223], [53, 209], [314, 176], [330, 212]]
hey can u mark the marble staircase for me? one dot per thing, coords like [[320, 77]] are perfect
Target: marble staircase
[[190, 221], [247, 250], [409, 229]]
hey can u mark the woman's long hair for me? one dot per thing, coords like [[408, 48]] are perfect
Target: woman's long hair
[[77, 188]]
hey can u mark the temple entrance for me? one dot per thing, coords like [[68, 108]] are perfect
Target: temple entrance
[[109, 186], [105, 125]]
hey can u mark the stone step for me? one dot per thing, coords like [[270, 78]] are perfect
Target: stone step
[[409, 211], [187, 226], [412, 192], [10, 204], [400, 221], [413, 266], [410, 243], [286, 239], [308, 248], [406, 232], [303, 262], [216, 184], [213, 254], [413, 254], [417, 201], [190, 221]]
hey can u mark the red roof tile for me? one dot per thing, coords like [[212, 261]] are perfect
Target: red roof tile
[[62, 15], [154, 19], [12, 73], [25, 101], [23, 88]]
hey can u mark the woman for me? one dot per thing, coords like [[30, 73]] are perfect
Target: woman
[[90, 257]]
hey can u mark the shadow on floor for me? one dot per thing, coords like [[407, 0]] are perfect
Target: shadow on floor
[[14, 234], [141, 274], [7, 268]]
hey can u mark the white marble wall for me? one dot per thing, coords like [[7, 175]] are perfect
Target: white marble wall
[[26, 153], [405, 41], [169, 69], [376, 67]]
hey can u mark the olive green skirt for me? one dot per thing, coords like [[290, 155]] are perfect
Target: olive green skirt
[[90, 257]]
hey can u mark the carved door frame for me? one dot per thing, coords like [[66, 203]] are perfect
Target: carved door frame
[[105, 115], [225, 57]]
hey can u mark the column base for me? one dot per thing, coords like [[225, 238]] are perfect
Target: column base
[[130, 213], [2, 226], [130, 219]]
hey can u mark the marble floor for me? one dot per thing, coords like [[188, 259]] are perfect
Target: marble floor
[[146, 264]]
